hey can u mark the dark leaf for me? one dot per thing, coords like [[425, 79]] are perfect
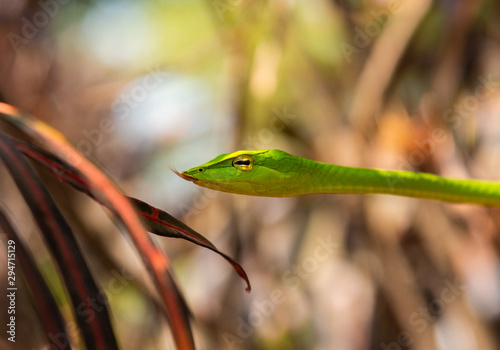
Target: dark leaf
[[107, 193], [94, 322], [162, 223], [47, 308]]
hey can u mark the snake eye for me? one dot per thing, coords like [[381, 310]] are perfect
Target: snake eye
[[243, 162]]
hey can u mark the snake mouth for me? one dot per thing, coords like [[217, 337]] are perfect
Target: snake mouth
[[184, 176]]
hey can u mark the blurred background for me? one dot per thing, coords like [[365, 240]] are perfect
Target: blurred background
[[396, 84]]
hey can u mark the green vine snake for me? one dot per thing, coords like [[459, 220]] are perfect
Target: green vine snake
[[274, 173]]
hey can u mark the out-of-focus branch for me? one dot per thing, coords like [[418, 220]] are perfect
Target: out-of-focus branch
[[382, 61]]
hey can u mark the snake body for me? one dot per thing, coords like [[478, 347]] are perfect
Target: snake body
[[275, 173]]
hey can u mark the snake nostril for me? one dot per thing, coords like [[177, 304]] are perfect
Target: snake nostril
[[200, 170]]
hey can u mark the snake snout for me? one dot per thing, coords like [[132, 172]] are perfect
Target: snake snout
[[184, 176]]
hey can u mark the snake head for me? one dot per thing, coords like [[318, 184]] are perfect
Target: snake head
[[258, 173]]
